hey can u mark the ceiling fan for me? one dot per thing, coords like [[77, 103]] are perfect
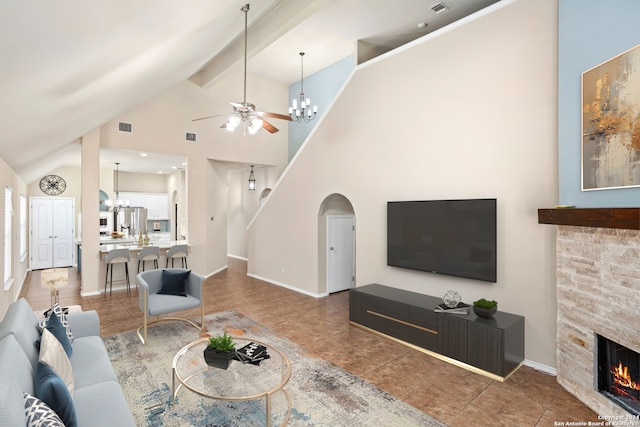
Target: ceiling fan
[[245, 112]]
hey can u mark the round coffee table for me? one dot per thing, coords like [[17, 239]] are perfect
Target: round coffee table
[[241, 381]]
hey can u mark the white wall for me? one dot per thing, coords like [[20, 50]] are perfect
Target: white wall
[[465, 113], [142, 182], [243, 205], [160, 125], [19, 267]]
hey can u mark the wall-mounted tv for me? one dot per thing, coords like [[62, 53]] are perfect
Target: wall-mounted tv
[[452, 237]]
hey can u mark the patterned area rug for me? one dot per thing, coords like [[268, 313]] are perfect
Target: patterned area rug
[[322, 394]]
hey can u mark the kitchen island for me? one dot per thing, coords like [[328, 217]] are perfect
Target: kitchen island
[[108, 243]]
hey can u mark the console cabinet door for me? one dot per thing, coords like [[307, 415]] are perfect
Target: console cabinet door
[[425, 329], [383, 316], [453, 333], [472, 342], [357, 307], [486, 346]]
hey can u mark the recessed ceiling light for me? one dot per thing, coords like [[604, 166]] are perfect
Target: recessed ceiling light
[[422, 25], [160, 172], [144, 154], [174, 167]]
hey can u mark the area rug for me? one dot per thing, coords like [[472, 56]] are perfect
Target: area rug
[[322, 394]]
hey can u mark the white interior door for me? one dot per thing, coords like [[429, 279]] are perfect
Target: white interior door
[[63, 232], [51, 232], [340, 252], [41, 233]]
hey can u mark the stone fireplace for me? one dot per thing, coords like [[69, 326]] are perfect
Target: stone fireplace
[[598, 289]]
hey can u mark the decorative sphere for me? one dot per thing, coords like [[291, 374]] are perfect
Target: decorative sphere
[[451, 299]]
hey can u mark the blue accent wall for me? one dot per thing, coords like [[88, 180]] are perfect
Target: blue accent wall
[[589, 33], [321, 87]]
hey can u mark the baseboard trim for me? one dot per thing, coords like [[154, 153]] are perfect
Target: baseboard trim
[[540, 367], [224, 267], [284, 285]]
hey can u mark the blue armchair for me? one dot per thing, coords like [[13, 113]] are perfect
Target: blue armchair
[[153, 303]]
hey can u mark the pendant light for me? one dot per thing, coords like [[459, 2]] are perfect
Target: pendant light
[[116, 205], [252, 180]]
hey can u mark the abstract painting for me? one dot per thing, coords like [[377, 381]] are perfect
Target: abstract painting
[[611, 123]]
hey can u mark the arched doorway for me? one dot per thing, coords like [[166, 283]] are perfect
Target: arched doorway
[[336, 244]]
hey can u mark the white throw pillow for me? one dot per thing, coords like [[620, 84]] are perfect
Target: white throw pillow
[[53, 355]]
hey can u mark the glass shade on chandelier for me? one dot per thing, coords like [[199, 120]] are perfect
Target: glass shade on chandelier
[[305, 112], [302, 110], [252, 180]]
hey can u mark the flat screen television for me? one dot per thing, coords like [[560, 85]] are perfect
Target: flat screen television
[[452, 237]]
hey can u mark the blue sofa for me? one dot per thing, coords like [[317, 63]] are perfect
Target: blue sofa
[[98, 398]]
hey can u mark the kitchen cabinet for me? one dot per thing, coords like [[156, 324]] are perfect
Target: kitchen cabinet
[[157, 204]]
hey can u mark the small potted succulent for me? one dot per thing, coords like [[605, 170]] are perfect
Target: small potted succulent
[[485, 308], [220, 351]]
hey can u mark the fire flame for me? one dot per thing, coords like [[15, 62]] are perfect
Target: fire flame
[[622, 378]]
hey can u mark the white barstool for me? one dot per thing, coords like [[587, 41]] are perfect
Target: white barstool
[[178, 251], [117, 256], [150, 253]]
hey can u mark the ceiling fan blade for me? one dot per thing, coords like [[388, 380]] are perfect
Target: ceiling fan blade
[[274, 115], [210, 117], [269, 127]]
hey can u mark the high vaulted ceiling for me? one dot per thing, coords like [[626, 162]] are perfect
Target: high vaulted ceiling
[[70, 66]]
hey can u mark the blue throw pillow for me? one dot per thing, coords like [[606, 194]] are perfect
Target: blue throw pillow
[[55, 326], [52, 390], [174, 282]]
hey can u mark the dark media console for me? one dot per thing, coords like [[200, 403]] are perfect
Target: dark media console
[[492, 347]]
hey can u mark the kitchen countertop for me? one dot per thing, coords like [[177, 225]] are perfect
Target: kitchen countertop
[[109, 243], [133, 245]]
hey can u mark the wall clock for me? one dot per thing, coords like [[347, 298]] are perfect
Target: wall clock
[[53, 185]]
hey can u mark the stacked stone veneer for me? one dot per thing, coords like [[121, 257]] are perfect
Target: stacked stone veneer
[[598, 287]]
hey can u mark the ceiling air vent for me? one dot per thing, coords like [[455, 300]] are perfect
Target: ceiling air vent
[[190, 136], [125, 127], [440, 7]]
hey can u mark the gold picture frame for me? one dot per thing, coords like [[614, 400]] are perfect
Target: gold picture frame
[[611, 123]]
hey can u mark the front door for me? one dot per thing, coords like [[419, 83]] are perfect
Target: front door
[[52, 232]]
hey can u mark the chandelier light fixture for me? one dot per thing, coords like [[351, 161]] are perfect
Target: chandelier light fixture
[[304, 111], [252, 180]]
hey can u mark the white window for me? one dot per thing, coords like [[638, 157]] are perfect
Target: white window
[[23, 227], [8, 213]]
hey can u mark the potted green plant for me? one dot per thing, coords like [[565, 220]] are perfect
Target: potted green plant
[[220, 351], [485, 308]]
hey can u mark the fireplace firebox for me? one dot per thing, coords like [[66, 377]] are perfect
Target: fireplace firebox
[[618, 374]]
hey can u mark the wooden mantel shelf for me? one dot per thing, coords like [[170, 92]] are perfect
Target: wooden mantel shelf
[[624, 218]]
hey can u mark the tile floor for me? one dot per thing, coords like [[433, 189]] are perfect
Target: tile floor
[[446, 392]]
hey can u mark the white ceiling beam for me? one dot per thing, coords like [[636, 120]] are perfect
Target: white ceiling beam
[[262, 33]]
